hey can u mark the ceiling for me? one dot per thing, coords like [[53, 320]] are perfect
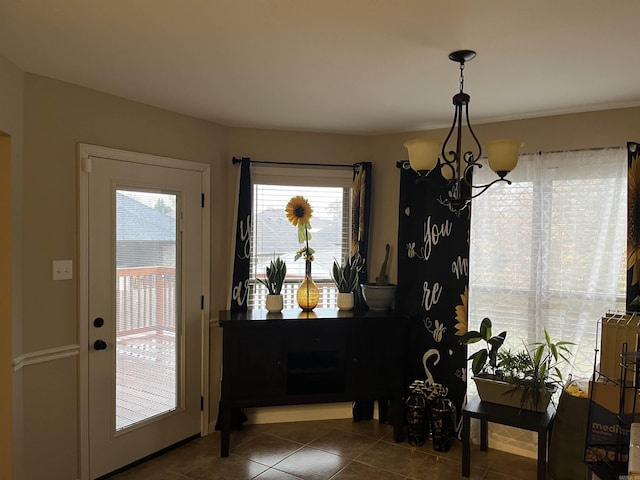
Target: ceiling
[[343, 66]]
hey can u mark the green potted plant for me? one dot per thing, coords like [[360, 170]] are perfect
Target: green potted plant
[[381, 294], [526, 378], [274, 279], [345, 276]]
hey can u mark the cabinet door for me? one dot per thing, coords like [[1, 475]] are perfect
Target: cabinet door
[[375, 358], [253, 365], [315, 359]]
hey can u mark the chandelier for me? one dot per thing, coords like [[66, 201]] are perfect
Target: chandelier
[[454, 164]]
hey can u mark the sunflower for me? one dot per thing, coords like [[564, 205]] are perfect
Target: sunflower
[[299, 211], [461, 313]]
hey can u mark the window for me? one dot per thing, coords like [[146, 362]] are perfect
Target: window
[[548, 251], [328, 191]]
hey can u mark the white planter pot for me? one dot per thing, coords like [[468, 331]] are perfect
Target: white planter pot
[[274, 303], [345, 301], [496, 391]]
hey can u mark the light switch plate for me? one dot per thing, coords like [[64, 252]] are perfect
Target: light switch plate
[[62, 269]]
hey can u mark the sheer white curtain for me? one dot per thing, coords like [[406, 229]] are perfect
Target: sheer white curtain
[[549, 250]]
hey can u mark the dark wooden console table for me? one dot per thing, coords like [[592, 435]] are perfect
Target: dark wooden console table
[[323, 356]]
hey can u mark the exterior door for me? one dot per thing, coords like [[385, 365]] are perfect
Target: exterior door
[[145, 304]]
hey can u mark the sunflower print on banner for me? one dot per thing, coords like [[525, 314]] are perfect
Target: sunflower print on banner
[[461, 313], [633, 227], [358, 192]]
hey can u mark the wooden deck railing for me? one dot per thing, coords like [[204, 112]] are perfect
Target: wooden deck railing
[[328, 295], [145, 299]]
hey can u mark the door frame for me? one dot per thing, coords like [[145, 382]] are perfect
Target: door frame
[[85, 153], [6, 339]]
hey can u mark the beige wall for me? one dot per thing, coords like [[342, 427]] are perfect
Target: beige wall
[[58, 115]]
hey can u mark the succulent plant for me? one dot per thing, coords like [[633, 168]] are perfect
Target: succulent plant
[[274, 278], [383, 277], [346, 276]]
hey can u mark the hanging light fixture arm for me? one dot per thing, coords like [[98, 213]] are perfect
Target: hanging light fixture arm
[[454, 164]]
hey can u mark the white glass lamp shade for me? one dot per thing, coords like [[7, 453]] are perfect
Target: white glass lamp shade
[[503, 154], [423, 153]]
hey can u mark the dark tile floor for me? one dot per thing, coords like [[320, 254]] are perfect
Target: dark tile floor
[[323, 450]]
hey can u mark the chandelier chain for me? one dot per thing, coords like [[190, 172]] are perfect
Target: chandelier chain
[[461, 77]]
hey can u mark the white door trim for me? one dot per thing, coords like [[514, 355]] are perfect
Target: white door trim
[[85, 153]]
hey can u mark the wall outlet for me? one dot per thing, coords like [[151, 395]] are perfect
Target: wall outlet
[[62, 269]]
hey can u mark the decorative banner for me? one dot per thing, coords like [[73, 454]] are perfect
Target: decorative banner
[[242, 251], [633, 227], [433, 279], [360, 219]]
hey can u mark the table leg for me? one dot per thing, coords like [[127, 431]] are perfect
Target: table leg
[[225, 430], [396, 406], [542, 455], [484, 436], [466, 447], [383, 411]]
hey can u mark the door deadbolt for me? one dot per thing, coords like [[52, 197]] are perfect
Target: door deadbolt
[[98, 322]]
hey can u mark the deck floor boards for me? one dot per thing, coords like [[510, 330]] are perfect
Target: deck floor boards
[[146, 376]]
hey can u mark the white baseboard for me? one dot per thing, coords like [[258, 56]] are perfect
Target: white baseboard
[[298, 413], [505, 447]]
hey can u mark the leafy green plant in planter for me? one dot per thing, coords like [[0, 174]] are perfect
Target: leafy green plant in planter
[[346, 278], [535, 368], [484, 361], [533, 372], [274, 279], [346, 275]]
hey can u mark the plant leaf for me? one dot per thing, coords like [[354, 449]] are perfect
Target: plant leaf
[[479, 359], [485, 328], [537, 358], [470, 337], [497, 341]]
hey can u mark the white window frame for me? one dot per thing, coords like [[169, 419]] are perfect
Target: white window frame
[[302, 176]]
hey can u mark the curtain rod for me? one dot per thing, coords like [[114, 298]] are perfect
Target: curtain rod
[[405, 163], [236, 160], [592, 149]]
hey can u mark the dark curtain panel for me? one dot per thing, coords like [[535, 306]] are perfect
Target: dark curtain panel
[[633, 227], [360, 218], [242, 252], [433, 279]]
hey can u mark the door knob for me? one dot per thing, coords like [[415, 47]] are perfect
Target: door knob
[[100, 345]]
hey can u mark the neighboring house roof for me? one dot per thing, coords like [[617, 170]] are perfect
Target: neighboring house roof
[[136, 221], [279, 237]]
